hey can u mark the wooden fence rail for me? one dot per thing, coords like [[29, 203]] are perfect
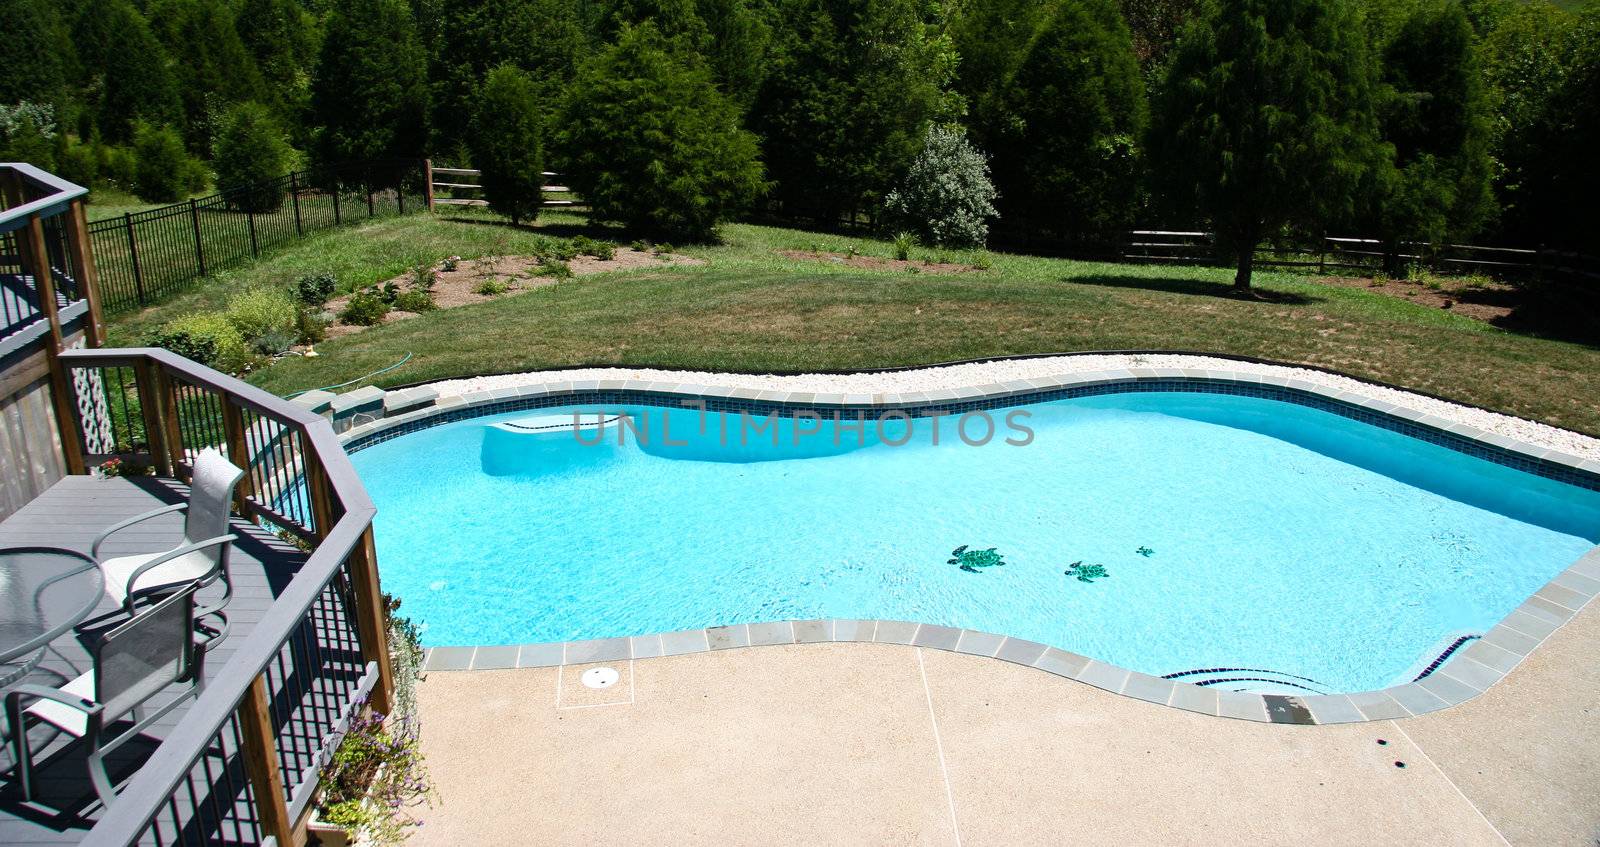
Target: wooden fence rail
[[469, 181]]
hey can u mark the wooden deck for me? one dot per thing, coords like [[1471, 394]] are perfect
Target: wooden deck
[[70, 514]]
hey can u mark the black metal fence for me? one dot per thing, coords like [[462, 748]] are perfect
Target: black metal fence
[[144, 257]]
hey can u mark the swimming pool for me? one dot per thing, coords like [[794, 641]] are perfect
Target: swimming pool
[[1233, 531]]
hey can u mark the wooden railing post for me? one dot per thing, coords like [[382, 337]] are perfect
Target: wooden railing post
[[370, 620], [167, 396], [238, 453], [261, 763], [150, 406], [427, 180], [82, 260], [35, 259]]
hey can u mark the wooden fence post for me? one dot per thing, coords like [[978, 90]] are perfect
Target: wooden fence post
[[294, 196], [336, 219], [261, 763], [199, 248], [133, 255], [427, 180]]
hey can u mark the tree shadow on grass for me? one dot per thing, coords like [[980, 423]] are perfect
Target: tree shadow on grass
[[554, 230], [1196, 287]]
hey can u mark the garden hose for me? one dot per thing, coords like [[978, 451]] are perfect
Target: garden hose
[[350, 382]]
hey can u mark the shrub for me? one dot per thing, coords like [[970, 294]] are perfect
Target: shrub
[[649, 140], [117, 165], [77, 163], [366, 307], [602, 250], [557, 270], [250, 154], [491, 287], [315, 289], [946, 195], [205, 337], [164, 171], [903, 242], [423, 277], [415, 300], [258, 311], [506, 144], [312, 324]]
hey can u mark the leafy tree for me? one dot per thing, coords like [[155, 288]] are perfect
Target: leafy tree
[[28, 134], [281, 37], [1266, 120], [164, 166], [1155, 25], [946, 195], [849, 92], [31, 53], [543, 38], [1435, 111], [251, 151], [732, 36], [1057, 98], [214, 70], [1560, 178], [653, 144], [506, 144], [369, 99], [124, 68]]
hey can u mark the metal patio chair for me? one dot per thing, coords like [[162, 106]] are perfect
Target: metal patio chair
[[132, 664], [200, 560]]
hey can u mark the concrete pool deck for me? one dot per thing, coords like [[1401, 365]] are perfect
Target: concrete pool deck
[[874, 743]]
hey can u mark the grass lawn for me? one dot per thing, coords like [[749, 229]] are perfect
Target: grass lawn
[[112, 203], [750, 309]]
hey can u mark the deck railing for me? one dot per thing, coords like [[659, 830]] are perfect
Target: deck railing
[[243, 763]]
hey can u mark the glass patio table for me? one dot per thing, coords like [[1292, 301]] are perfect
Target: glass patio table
[[44, 593]]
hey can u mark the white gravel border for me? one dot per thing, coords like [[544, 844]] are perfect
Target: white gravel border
[[978, 374]]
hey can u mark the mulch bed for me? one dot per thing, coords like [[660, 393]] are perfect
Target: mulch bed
[[520, 273], [1485, 302]]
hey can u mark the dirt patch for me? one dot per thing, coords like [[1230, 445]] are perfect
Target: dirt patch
[[1484, 301], [459, 286], [873, 263]]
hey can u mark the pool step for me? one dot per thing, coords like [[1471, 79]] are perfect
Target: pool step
[[1256, 680]]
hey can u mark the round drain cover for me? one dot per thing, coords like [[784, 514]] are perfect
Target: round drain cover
[[600, 677]]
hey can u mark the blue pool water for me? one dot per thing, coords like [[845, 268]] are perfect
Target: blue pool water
[[1279, 537]]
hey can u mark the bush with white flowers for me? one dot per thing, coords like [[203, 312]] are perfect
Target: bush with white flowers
[[946, 196]]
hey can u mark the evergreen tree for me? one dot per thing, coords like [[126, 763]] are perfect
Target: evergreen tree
[[163, 168], [1434, 110], [125, 68], [541, 37], [1266, 120], [652, 143], [282, 39], [31, 53], [251, 151], [1058, 100], [1560, 176], [370, 96], [215, 69], [732, 36], [506, 145], [848, 95]]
